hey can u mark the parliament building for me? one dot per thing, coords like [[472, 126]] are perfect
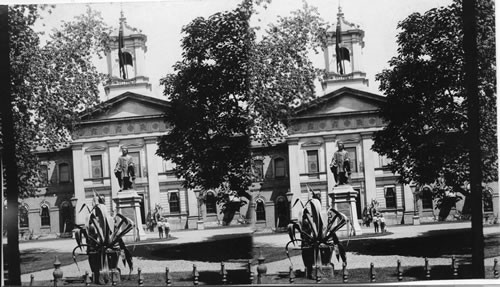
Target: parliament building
[[131, 117]]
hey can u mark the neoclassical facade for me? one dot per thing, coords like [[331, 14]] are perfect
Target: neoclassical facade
[[284, 172]]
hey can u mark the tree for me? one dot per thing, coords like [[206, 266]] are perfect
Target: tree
[[51, 82], [426, 111], [49, 85], [230, 89]]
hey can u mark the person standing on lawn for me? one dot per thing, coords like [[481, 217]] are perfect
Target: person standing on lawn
[[166, 228], [160, 228], [376, 222]]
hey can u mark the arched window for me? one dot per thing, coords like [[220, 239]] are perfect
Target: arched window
[[390, 197], [279, 167], [426, 198], [260, 210], [23, 216], [210, 203], [64, 172], [45, 215], [44, 175], [173, 201]]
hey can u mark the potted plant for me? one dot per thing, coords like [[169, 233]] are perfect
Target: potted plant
[[317, 238], [101, 239]]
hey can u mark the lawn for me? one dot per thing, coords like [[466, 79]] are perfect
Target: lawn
[[432, 244]]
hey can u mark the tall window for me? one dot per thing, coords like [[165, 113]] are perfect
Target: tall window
[[173, 202], [96, 164], [23, 217], [352, 158], [426, 198], [64, 172], [312, 161], [66, 220], [258, 170], [383, 160], [390, 197], [279, 167], [44, 175], [488, 199], [210, 203], [260, 210], [136, 158], [45, 215]]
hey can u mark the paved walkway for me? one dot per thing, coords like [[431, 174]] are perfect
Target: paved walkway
[[274, 240]]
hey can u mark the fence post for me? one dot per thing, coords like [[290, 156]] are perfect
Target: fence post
[[291, 275], [168, 277], [195, 275], [454, 268], [140, 279], [114, 278], [250, 273], [345, 273], [495, 269], [261, 268], [58, 273], [318, 276], [87, 279], [400, 272], [372, 273], [223, 272], [427, 269], [32, 279]]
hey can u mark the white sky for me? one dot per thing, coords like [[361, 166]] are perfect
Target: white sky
[[162, 21]]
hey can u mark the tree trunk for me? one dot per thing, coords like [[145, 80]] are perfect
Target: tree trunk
[[472, 89], [9, 154]]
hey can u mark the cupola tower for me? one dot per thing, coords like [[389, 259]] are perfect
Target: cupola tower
[[343, 56], [126, 61]]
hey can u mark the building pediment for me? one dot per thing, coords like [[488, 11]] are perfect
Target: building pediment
[[126, 105], [126, 114], [344, 100], [343, 109]]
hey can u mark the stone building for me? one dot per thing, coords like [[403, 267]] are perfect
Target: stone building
[[284, 172]]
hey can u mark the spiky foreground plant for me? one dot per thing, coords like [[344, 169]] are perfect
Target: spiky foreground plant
[[103, 241], [317, 234]]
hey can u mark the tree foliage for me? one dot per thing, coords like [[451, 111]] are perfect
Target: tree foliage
[[52, 81], [230, 88], [426, 110]]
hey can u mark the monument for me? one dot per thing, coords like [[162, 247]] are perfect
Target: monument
[[128, 201], [343, 195]]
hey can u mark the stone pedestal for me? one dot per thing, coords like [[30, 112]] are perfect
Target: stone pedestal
[[344, 200], [128, 205], [416, 220], [200, 224]]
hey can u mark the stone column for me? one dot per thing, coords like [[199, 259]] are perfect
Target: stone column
[[294, 175], [152, 165], [369, 167], [78, 181], [330, 144], [114, 153]]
